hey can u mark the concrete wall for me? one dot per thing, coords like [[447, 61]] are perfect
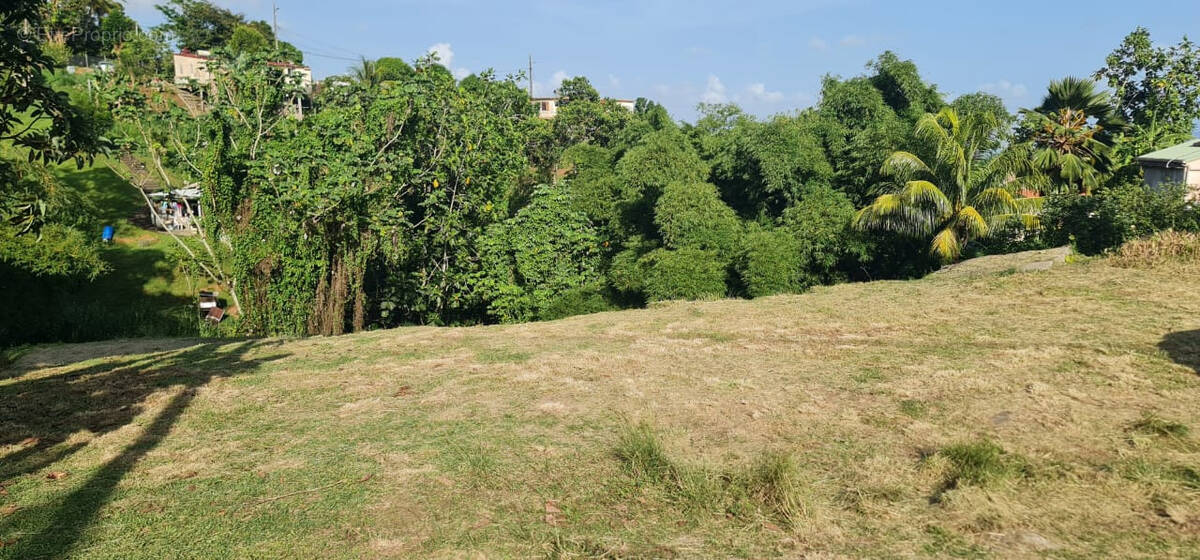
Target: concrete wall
[[191, 68]]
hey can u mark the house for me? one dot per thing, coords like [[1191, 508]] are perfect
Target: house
[[191, 66], [548, 106], [1177, 164]]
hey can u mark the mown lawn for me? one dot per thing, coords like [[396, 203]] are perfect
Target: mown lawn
[[980, 415]]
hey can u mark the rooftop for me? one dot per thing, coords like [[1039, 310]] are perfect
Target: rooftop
[[205, 55], [1178, 154]]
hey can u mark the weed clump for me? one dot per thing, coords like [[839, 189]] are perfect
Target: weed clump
[[774, 481], [770, 484], [1153, 425], [643, 455], [979, 464]]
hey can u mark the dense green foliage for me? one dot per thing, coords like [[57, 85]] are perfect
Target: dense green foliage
[[407, 196], [1119, 213], [533, 262], [199, 24]]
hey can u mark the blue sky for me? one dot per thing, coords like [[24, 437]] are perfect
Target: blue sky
[[768, 56]]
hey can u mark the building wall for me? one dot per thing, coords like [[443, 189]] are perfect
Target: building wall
[[1193, 180], [547, 108], [191, 68], [1190, 176], [195, 68]]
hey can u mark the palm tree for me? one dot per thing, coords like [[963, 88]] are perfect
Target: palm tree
[[1067, 151], [365, 73], [1070, 135], [1082, 95], [956, 193]]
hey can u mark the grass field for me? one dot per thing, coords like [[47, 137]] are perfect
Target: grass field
[[1005, 414]]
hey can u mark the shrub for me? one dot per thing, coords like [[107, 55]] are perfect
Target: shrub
[[828, 246], [576, 301], [1162, 247], [692, 216], [626, 270], [769, 263], [683, 274], [1119, 213], [531, 259]]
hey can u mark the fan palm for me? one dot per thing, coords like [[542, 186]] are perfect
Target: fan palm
[[1067, 152], [955, 194], [1082, 96], [1070, 136]]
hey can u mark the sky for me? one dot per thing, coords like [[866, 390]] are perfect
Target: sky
[[767, 56]]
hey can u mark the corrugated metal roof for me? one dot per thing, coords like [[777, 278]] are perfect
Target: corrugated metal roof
[[1179, 154]]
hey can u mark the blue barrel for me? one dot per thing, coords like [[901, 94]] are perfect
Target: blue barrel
[[108, 234]]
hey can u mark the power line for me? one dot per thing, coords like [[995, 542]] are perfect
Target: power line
[[323, 55], [323, 44]]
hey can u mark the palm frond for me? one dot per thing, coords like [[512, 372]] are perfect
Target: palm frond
[[904, 164], [927, 196], [995, 200], [970, 221], [945, 245], [891, 212]]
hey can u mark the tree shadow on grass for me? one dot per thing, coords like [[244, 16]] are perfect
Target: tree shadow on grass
[[100, 399], [1184, 348]]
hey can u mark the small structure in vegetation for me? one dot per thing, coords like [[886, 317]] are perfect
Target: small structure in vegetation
[[1178, 164], [175, 210]]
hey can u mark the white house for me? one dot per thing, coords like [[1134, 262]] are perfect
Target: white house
[[548, 106], [194, 66]]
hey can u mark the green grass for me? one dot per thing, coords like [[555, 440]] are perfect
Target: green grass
[[515, 441], [979, 463], [1151, 424], [145, 293]]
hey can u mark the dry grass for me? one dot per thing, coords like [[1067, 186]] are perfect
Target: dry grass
[[827, 424], [1163, 247]]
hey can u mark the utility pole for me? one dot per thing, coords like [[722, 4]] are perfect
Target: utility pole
[[275, 23], [531, 76]]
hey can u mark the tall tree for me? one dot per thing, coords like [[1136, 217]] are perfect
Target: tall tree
[[198, 24], [1155, 87], [956, 195], [1070, 135], [576, 89]]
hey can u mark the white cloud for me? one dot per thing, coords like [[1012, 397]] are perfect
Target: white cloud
[[818, 43], [758, 92], [852, 41], [546, 88], [1006, 89], [445, 54], [714, 91]]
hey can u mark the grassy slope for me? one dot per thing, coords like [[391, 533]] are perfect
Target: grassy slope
[[447, 442], [144, 293]]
